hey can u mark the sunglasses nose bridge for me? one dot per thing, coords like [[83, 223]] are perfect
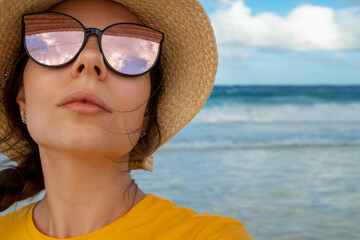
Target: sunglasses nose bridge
[[95, 31]]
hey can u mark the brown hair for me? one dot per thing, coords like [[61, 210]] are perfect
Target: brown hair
[[26, 179]]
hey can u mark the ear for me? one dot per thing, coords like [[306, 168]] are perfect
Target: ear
[[20, 98]]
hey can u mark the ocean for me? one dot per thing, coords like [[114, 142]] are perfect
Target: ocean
[[284, 160]]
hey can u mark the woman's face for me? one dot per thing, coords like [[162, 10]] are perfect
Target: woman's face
[[58, 127]]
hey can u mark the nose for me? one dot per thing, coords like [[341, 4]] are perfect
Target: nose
[[90, 60]]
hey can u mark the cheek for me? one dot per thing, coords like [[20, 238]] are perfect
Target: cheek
[[132, 93], [39, 94], [132, 98]]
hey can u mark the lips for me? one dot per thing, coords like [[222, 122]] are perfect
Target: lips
[[84, 98]]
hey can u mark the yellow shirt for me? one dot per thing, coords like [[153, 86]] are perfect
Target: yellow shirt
[[152, 218]]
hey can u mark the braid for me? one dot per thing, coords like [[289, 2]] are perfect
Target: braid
[[21, 182]]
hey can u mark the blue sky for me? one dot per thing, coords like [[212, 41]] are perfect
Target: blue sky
[[293, 42]]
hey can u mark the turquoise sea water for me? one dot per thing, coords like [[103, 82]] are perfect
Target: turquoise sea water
[[283, 160]]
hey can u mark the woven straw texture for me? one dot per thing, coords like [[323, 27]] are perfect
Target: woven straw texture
[[188, 61]]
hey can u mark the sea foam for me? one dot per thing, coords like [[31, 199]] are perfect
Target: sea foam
[[261, 113]]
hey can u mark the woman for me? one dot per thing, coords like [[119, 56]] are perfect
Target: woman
[[82, 110]]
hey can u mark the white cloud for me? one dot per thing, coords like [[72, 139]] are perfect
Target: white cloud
[[306, 27], [230, 51]]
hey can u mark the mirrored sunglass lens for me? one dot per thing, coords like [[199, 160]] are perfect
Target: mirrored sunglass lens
[[131, 49], [52, 39]]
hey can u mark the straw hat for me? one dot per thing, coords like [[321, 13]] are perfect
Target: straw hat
[[188, 61]]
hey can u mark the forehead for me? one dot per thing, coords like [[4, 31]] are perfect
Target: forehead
[[96, 13]]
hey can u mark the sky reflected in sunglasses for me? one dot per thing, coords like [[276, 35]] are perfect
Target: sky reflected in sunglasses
[[125, 54], [129, 55], [54, 48]]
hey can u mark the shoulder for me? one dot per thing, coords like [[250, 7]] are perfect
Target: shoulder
[[225, 228], [188, 224], [14, 221]]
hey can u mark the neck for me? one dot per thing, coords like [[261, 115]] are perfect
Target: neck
[[83, 193]]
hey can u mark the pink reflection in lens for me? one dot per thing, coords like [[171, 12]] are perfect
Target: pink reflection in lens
[[129, 55], [54, 48]]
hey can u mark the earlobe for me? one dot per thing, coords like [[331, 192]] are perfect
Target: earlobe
[[20, 98], [145, 125]]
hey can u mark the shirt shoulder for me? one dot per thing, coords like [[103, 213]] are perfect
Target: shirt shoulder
[[226, 229], [185, 223], [13, 224]]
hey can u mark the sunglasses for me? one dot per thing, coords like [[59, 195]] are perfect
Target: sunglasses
[[56, 39]]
